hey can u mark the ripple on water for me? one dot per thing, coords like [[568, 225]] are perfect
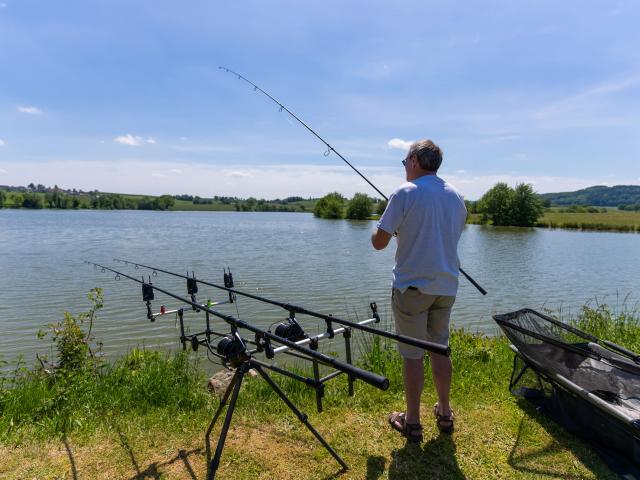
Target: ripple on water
[[324, 265]]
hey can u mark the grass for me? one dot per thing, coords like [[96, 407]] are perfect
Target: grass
[[612, 220], [616, 220], [145, 415]]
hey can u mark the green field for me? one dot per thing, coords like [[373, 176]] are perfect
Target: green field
[[612, 220]]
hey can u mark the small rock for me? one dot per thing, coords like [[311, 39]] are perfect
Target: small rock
[[220, 381]]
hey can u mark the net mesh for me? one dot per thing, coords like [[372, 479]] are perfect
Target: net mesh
[[547, 349]]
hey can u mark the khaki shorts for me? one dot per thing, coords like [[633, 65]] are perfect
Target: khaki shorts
[[421, 316]]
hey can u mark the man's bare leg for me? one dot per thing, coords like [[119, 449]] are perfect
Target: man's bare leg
[[413, 373], [442, 371]]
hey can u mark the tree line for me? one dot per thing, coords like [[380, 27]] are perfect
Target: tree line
[[621, 196], [56, 198]]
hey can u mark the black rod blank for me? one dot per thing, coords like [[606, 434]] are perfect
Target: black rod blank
[[430, 346], [329, 150], [371, 378]]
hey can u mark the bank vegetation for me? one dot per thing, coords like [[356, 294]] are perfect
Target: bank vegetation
[[144, 415]]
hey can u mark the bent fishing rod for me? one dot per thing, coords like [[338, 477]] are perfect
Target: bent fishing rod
[[371, 378], [330, 149], [329, 319]]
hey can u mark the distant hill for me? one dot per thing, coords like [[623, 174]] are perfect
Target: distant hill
[[600, 196]]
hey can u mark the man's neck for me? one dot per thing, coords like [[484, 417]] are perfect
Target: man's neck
[[422, 174]]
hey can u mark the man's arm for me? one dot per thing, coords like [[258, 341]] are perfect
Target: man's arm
[[380, 239]]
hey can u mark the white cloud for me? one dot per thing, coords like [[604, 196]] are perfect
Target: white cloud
[[134, 140], [2, 170], [399, 144], [30, 109], [174, 170], [2, 142], [128, 139], [158, 175]]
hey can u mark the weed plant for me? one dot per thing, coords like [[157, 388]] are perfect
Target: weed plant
[[79, 391]]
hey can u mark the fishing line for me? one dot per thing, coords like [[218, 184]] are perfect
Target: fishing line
[[330, 149]]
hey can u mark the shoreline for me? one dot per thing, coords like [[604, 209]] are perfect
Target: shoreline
[[551, 224]]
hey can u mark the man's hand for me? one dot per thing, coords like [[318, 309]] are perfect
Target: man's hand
[[380, 239]]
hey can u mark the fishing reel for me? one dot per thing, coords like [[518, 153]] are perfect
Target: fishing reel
[[290, 330], [233, 349]]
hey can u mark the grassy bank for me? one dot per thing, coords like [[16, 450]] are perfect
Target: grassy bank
[[612, 220], [144, 416]]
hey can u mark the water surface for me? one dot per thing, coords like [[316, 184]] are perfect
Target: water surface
[[324, 265]]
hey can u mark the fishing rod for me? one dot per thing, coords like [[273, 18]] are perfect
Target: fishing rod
[[330, 149], [329, 319], [371, 378]]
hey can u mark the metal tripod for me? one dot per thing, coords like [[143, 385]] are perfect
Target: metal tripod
[[233, 391]]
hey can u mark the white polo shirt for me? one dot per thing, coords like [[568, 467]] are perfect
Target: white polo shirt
[[428, 214]]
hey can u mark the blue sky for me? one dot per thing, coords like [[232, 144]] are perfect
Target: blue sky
[[127, 96]]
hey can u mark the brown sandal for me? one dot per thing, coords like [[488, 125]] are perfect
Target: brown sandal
[[412, 431], [444, 422]]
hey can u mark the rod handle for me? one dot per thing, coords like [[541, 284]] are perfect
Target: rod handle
[[371, 378], [429, 346]]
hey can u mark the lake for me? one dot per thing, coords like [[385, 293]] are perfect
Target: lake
[[324, 265]]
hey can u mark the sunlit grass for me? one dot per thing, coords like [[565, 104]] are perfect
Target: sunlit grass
[[148, 411]]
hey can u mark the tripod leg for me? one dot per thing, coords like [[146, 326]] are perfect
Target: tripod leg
[[223, 402], [301, 416], [235, 383]]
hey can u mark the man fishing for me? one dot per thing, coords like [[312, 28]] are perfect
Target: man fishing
[[428, 215]]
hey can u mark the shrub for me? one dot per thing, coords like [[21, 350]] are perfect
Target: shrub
[[359, 207], [382, 206], [503, 205], [32, 200], [495, 204], [330, 206]]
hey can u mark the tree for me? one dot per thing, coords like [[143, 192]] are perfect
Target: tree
[[382, 206], [472, 207], [526, 206], [32, 200], [330, 206], [250, 204], [3, 198], [503, 205], [17, 199], [359, 207], [495, 205], [164, 202]]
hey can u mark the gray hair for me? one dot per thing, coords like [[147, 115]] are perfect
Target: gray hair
[[428, 153]]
